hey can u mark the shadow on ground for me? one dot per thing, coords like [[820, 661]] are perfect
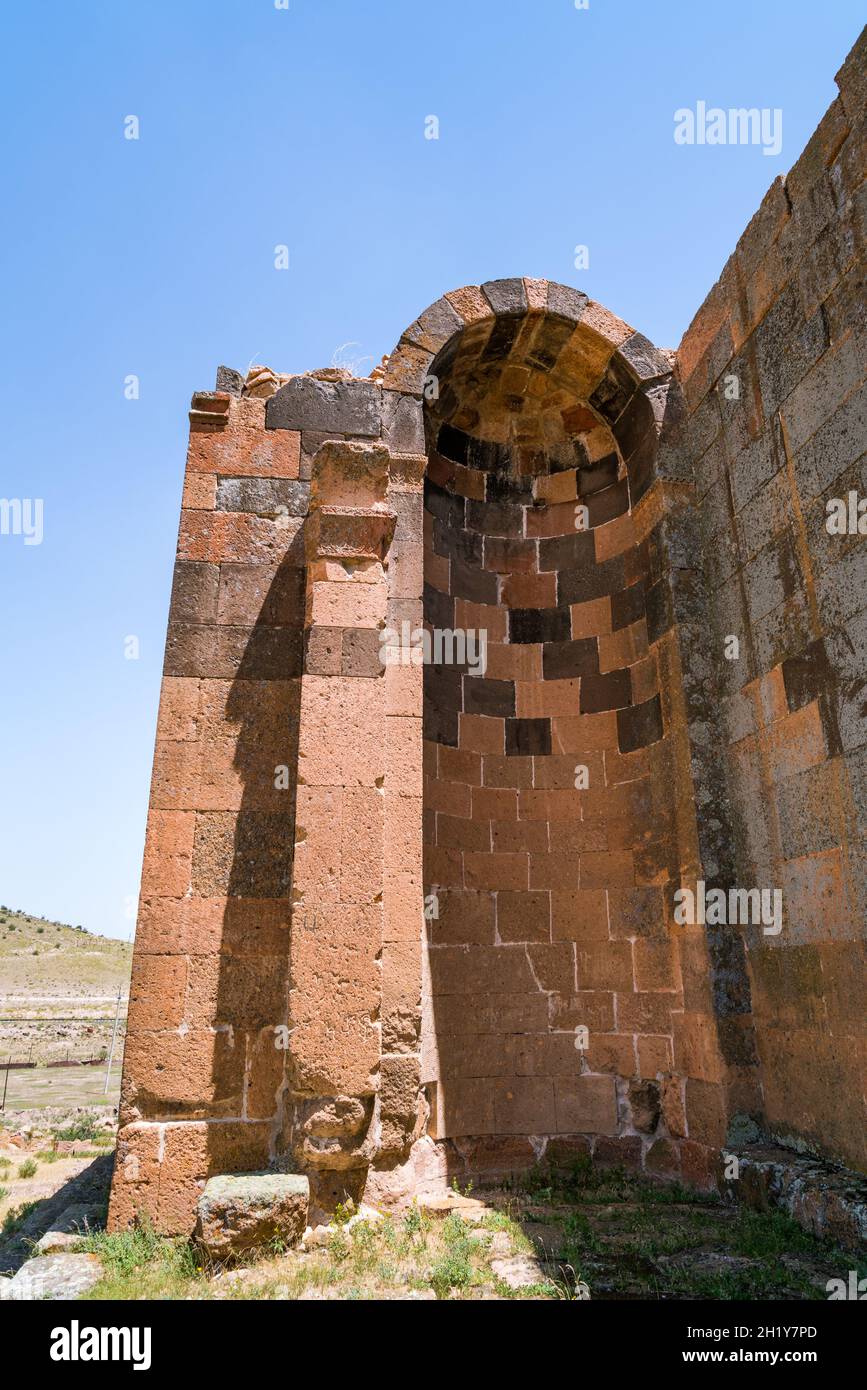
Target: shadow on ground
[[87, 1190], [636, 1240]]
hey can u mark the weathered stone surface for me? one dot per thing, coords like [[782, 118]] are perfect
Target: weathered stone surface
[[506, 296], [59, 1276], [264, 496], [402, 423], [518, 1271], [229, 380], [435, 326], [248, 1211], [70, 1226], [645, 1104], [566, 302], [643, 359], [345, 407], [822, 1197]]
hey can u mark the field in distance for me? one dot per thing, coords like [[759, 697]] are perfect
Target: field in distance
[[58, 988]]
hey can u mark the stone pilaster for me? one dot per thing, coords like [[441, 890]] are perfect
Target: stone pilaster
[[337, 921]]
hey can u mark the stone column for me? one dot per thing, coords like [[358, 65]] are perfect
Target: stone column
[[338, 886], [401, 1109]]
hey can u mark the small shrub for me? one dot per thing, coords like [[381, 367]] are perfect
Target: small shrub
[[16, 1217], [416, 1222], [27, 1168], [338, 1246], [84, 1129], [453, 1271]]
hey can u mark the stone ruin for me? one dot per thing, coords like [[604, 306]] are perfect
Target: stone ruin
[[404, 921]]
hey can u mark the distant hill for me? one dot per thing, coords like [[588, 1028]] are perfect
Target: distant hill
[[48, 964]]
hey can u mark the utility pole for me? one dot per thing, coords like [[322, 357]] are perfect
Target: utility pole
[[113, 1036], [6, 1084]]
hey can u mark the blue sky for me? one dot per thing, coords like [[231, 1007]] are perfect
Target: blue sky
[[155, 257]]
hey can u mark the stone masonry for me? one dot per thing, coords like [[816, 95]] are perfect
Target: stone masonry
[[408, 905]]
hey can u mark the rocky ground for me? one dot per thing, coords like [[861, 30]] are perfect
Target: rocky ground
[[51, 1160], [597, 1235]]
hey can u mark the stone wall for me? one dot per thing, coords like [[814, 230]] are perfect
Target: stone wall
[[381, 903], [773, 372], [210, 970]]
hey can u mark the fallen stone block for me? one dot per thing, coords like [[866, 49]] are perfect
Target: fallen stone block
[[246, 1211], [52, 1277], [828, 1201], [518, 1271], [469, 1208], [72, 1223]]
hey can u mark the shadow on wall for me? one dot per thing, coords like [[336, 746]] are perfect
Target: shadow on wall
[[248, 857]]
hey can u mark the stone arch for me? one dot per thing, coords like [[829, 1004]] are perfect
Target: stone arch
[[560, 335], [552, 834]]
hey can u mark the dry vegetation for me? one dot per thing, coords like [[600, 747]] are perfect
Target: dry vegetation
[[58, 987]]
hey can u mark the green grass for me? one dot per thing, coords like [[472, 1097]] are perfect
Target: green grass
[[362, 1260], [454, 1269], [84, 1130], [156, 1267], [641, 1239]]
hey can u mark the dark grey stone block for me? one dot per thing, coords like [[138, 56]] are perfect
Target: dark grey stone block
[[566, 301], [194, 592], [841, 589], [614, 391], [772, 577], [506, 296], [306, 403], [229, 380], [491, 697], [643, 359], [847, 648], [525, 737], [839, 443], [752, 468], [642, 415], [786, 348], [785, 629], [402, 423], [675, 455], [264, 496]]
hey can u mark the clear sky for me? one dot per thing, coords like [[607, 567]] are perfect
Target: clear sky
[[302, 126]]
